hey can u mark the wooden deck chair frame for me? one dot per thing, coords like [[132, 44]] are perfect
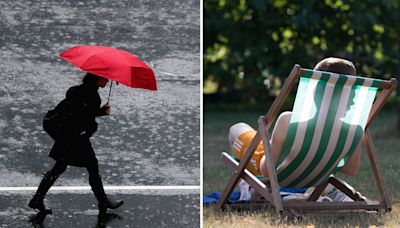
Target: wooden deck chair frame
[[270, 190]]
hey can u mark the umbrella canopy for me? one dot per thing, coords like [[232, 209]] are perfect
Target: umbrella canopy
[[114, 64]]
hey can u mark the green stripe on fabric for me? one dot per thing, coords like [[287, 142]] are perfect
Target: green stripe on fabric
[[362, 122], [357, 137], [343, 78], [341, 140], [359, 82], [318, 96], [325, 76], [307, 73], [359, 79], [376, 83], [341, 81], [326, 134], [292, 129]]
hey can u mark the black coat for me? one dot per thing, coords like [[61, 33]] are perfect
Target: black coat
[[84, 102]]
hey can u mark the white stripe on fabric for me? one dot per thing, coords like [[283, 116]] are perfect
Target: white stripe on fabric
[[337, 125], [316, 75], [240, 143], [319, 128], [368, 82], [334, 76], [354, 124], [360, 102], [237, 144], [303, 121], [236, 147], [306, 114]]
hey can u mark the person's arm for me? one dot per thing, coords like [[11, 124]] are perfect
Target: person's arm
[[277, 139], [104, 111], [279, 134], [351, 166]]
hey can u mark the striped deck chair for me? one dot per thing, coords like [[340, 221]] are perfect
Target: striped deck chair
[[330, 116]]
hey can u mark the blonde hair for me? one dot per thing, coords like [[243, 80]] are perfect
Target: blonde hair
[[336, 65]]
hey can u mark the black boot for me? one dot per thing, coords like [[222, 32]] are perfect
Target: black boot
[[98, 190], [37, 201], [107, 203]]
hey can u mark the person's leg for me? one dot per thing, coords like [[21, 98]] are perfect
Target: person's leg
[[48, 180], [278, 138], [236, 130], [98, 189], [240, 137]]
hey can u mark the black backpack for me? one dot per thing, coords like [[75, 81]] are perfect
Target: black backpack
[[59, 122]]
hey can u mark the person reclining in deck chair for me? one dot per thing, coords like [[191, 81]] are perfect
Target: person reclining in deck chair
[[241, 134]]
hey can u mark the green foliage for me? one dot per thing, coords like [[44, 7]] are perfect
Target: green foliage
[[250, 45]]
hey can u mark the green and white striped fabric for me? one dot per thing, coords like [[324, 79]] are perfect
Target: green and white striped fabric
[[328, 121]]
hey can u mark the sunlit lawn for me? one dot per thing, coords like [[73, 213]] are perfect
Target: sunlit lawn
[[385, 135]]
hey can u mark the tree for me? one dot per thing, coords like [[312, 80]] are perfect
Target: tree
[[251, 45]]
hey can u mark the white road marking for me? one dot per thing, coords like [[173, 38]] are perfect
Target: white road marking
[[80, 188]]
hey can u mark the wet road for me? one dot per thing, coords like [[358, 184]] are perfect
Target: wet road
[[141, 209], [151, 138]]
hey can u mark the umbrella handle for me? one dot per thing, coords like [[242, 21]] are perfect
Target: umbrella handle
[[109, 93]]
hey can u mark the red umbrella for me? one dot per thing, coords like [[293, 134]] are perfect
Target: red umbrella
[[112, 63]]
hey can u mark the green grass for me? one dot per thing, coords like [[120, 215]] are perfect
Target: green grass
[[215, 176]]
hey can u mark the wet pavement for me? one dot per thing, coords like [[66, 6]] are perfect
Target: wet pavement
[[140, 209], [151, 138]]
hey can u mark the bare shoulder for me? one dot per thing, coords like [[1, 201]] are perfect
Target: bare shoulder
[[281, 126], [284, 118]]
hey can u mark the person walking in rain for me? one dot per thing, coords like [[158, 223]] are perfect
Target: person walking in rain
[[73, 147]]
